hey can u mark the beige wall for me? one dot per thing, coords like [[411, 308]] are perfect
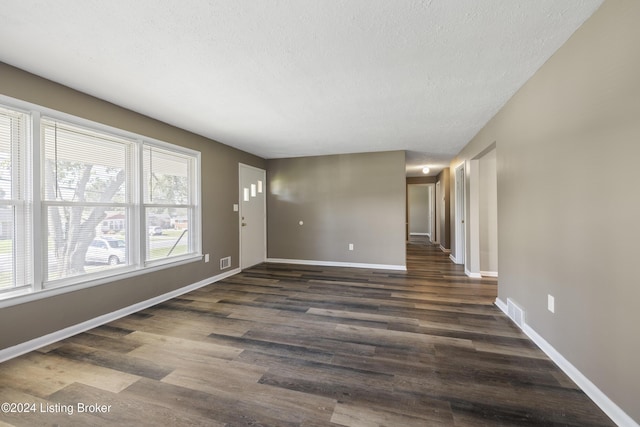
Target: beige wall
[[342, 199], [219, 223], [568, 206]]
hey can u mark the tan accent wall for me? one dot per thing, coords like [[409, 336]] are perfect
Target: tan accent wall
[[220, 237], [341, 199], [567, 147]]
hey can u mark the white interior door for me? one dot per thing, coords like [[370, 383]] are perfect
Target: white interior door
[[253, 236]]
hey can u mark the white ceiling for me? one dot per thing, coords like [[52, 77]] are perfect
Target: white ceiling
[[288, 78]]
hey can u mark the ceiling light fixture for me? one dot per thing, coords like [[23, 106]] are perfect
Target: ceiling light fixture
[[425, 170]]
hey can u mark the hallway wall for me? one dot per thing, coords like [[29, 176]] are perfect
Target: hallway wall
[[567, 154]]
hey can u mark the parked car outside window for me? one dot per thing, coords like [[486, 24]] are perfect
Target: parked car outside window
[[155, 231], [106, 251]]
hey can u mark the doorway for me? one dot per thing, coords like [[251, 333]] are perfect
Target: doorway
[[484, 247], [253, 228], [421, 211]]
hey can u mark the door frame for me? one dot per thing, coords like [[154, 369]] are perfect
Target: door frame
[[438, 214], [460, 228], [242, 166]]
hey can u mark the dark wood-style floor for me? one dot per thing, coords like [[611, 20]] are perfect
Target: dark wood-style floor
[[284, 345]]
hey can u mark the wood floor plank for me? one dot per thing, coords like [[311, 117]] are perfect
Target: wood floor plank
[[43, 374], [358, 416], [127, 412], [41, 414]]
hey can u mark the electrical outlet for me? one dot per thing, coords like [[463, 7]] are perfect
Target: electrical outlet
[[350, 246], [551, 303], [206, 257]]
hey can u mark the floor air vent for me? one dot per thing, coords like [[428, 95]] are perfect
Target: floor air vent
[[225, 263], [515, 313]]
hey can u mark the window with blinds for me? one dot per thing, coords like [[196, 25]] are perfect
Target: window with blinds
[[169, 202], [15, 206], [107, 203], [88, 181]]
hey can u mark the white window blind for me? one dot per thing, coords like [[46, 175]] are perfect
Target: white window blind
[[15, 204]]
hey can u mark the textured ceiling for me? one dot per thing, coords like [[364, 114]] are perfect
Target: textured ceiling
[[287, 78]]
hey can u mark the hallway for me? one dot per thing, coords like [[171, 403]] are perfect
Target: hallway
[[293, 345]]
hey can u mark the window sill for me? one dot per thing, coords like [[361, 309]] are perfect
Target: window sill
[[28, 295]]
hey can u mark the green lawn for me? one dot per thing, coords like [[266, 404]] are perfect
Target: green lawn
[[6, 247], [6, 280], [162, 252]]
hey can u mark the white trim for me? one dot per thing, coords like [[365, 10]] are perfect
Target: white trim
[[599, 398], [489, 273], [472, 275], [36, 343], [445, 250], [338, 264], [419, 234], [453, 258]]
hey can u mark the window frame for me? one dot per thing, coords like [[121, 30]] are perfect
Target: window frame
[[128, 205], [21, 205], [136, 234], [194, 198]]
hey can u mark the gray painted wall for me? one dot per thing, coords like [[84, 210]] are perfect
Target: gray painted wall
[[418, 201], [342, 199], [219, 223], [568, 206]]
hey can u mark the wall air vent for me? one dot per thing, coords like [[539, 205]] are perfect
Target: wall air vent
[[515, 313], [225, 263]]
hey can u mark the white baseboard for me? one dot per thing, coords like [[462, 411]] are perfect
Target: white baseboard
[[419, 234], [489, 273], [599, 398], [445, 250], [36, 343], [472, 275], [453, 259], [337, 264]]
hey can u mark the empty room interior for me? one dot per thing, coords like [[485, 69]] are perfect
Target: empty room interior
[[306, 213]]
